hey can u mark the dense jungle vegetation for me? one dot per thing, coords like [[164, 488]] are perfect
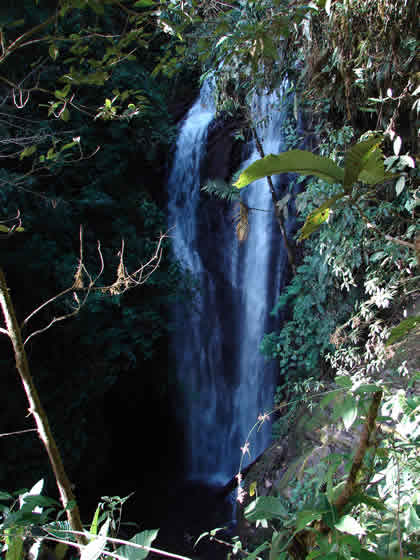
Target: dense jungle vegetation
[[91, 91]]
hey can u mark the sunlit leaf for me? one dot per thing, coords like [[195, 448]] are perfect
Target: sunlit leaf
[[348, 524], [397, 145], [143, 539], [412, 520], [95, 548], [265, 507], [14, 541], [28, 151], [65, 115], [347, 410], [344, 381], [145, 3], [402, 329], [367, 388], [399, 185], [95, 521], [307, 516], [294, 161], [364, 162], [318, 217]]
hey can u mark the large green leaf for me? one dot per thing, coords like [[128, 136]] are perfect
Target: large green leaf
[[318, 217], [307, 516], [364, 162], [265, 507], [347, 410], [374, 171], [136, 552], [294, 161], [94, 549]]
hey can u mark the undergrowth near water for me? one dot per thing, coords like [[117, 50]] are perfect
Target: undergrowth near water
[[31, 526], [363, 505], [356, 282]]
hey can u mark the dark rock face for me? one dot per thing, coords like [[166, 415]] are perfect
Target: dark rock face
[[224, 152]]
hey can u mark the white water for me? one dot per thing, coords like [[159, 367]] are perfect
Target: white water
[[225, 383]]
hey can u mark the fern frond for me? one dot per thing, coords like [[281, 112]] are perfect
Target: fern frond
[[221, 189]]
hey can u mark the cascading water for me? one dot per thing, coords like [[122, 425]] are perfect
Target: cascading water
[[225, 382]]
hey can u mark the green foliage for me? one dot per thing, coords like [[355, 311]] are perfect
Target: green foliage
[[344, 262], [28, 515], [143, 539], [221, 190], [64, 168], [21, 513], [401, 330], [357, 272], [243, 43], [293, 161], [363, 162], [380, 517]]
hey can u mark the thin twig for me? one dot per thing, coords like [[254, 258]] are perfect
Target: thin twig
[[117, 541], [377, 230], [29, 317], [124, 282], [19, 432]]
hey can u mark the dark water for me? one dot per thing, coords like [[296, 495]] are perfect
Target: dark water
[[190, 510]]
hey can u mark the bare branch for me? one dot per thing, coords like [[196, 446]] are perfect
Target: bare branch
[[122, 58], [19, 432], [123, 282], [21, 103], [17, 43], [54, 298], [50, 324], [126, 281]]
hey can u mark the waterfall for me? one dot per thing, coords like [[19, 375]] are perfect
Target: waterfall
[[224, 381]]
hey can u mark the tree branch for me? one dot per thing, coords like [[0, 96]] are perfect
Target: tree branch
[[368, 429], [302, 542], [277, 209], [369, 225], [17, 43]]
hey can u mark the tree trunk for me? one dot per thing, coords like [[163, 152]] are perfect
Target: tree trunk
[[35, 408]]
